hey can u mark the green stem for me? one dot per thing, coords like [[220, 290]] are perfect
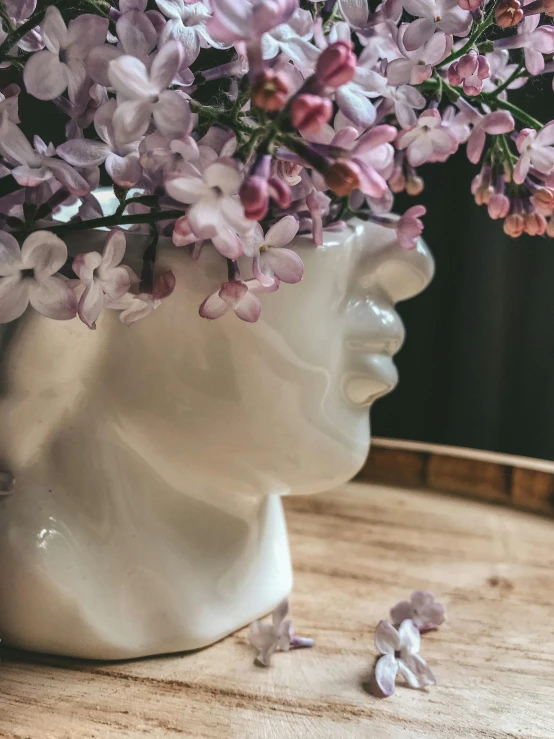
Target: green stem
[[313, 158], [508, 156], [115, 220], [514, 76], [149, 259], [480, 28], [490, 99], [519, 114]]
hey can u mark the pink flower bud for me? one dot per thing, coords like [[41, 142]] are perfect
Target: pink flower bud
[[470, 70], [336, 65], [254, 196], [513, 225], [414, 185], [471, 5], [343, 177], [483, 67], [467, 64], [498, 206], [270, 90], [483, 194], [309, 113], [534, 224], [508, 13], [397, 181], [280, 192], [543, 201], [454, 76]]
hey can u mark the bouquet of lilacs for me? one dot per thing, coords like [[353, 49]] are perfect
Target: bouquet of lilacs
[[235, 124]]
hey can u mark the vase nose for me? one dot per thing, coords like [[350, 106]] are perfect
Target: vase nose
[[404, 273]]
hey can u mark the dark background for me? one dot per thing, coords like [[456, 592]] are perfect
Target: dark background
[[477, 365]]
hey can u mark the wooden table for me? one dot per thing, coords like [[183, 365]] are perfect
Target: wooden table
[[357, 550]]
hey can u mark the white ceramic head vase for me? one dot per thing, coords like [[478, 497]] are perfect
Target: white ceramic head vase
[[149, 460]]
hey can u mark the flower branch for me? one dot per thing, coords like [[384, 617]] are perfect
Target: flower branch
[[258, 122]]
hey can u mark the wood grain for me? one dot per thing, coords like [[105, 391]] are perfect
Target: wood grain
[[521, 482], [357, 551]]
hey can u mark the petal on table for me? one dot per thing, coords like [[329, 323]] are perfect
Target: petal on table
[[386, 670], [387, 638]]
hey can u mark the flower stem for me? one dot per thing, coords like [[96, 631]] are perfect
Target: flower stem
[[508, 156], [514, 76], [519, 114], [149, 259], [478, 31], [110, 221]]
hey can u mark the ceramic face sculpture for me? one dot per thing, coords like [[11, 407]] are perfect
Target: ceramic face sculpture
[[149, 461]]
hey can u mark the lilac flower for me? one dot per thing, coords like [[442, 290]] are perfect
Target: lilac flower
[[535, 149], [497, 122], [284, 37], [470, 71], [267, 638], [417, 66], [355, 12], [103, 277], [354, 98], [121, 159], [427, 139], [434, 15], [408, 229], [137, 36], [28, 275], [535, 41], [133, 308], [270, 259], [33, 166], [422, 609], [404, 99], [399, 650], [247, 20], [81, 112], [187, 24], [146, 95], [236, 295], [19, 11], [501, 70], [9, 104], [372, 153], [216, 212], [61, 65], [162, 153]]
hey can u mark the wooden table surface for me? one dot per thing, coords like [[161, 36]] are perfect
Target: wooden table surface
[[356, 550]]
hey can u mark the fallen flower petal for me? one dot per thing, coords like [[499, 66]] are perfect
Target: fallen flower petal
[[422, 609], [278, 635]]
